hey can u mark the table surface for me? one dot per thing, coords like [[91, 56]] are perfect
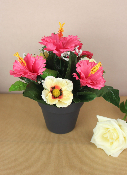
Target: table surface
[[27, 147]]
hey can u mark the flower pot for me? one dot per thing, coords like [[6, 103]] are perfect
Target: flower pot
[[61, 120]]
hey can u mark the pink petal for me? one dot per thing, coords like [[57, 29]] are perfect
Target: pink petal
[[95, 80], [38, 65], [29, 61]]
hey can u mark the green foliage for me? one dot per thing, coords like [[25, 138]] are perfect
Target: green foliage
[[48, 72], [84, 97], [107, 92], [126, 105], [34, 91], [18, 86], [27, 80], [112, 96], [50, 61], [55, 63], [71, 66], [123, 107]]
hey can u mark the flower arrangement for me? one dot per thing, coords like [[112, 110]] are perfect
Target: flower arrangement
[[63, 74]]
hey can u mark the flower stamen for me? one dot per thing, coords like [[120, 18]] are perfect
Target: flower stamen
[[56, 92], [95, 69], [21, 60], [61, 30]]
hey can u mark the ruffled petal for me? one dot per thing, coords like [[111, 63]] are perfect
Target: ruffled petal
[[29, 61], [61, 104], [95, 80], [49, 82], [67, 97], [45, 94], [50, 100], [38, 65]]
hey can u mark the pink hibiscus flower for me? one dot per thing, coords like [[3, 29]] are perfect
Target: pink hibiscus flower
[[91, 74], [60, 44], [29, 67]]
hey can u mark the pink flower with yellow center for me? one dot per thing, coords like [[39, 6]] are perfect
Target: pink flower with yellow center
[[29, 67], [91, 74], [59, 44], [57, 91]]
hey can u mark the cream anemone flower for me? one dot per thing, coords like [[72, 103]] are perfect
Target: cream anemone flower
[[57, 91], [90, 60]]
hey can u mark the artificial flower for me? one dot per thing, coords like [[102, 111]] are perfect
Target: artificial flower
[[78, 51], [110, 135], [90, 60], [65, 56], [60, 45], [62, 57], [91, 74], [29, 67], [57, 91], [87, 54], [44, 55], [61, 30]]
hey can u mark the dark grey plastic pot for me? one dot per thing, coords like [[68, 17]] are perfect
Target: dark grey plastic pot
[[61, 120]]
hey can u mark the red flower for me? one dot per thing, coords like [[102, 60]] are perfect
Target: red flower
[[87, 53]]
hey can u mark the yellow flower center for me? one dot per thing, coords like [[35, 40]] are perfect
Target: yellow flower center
[[21, 60], [61, 30], [95, 68], [56, 92]]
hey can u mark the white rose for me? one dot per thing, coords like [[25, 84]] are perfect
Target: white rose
[[110, 135]]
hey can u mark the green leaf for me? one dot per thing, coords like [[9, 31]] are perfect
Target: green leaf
[[27, 80], [100, 92], [126, 105], [50, 60], [18, 86], [85, 96], [108, 93], [112, 95], [34, 91], [48, 72], [125, 117], [122, 107], [71, 66], [75, 98]]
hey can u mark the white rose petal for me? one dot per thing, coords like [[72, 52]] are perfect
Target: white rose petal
[[110, 135]]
